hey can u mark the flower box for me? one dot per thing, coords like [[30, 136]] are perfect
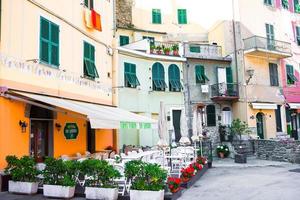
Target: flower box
[[58, 191], [146, 195], [195, 178], [22, 187], [101, 193], [173, 196]]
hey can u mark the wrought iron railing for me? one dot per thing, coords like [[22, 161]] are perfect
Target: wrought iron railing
[[203, 50], [258, 42], [164, 48], [224, 90]]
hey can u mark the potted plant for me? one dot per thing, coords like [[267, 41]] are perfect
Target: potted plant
[[59, 178], [175, 49], [158, 49], [24, 173], [174, 184], [152, 48], [223, 151], [239, 128], [100, 184], [148, 180], [187, 173], [166, 51]]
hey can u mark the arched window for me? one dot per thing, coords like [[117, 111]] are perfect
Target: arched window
[[211, 115], [174, 78], [158, 77]]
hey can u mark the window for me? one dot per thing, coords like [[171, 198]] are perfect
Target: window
[[211, 115], [285, 4], [231, 89], [290, 77], [200, 74], [130, 77], [298, 35], [296, 6], [270, 36], [89, 67], [156, 16], [273, 70], [195, 49], [158, 77], [182, 18], [151, 39], [268, 2], [174, 78], [89, 4], [124, 40], [49, 42], [278, 119]]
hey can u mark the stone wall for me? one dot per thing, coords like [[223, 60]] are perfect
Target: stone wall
[[124, 13], [278, 150]]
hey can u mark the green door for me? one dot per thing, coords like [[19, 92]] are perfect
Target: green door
[[260, 125]]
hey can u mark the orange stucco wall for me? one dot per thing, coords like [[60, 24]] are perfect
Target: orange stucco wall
[[104, 138], [61, 145], [12, 140]]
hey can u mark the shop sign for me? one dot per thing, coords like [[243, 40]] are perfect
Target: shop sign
[[71, 131], [133, 125]]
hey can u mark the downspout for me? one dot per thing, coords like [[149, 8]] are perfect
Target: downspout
[[235, 46], [114, 19]]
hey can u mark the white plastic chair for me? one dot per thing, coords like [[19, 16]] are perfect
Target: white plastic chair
[[123, 184]]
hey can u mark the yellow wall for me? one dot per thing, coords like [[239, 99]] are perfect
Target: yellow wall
[[104, 138], [12, 140]]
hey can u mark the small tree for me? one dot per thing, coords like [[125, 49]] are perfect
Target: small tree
[[240, 128]]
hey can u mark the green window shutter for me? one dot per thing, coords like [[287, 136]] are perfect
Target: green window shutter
[[268, 2], [296, 6], [89, 4], [54, 45], [158, 77], [270, 31], [211, 115], [44, 40], [273, 70], [182, 17], [156, 16], [195, 49], [124, 40], [174, 78], [298, 35], [200, 74], [130, 77], [90, 69], [229, 77]]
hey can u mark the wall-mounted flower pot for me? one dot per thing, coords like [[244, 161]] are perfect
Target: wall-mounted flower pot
[[58, 191], [146, 195], [23, 187], [101, 193]]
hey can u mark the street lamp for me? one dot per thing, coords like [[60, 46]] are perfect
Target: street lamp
[[250, 73]]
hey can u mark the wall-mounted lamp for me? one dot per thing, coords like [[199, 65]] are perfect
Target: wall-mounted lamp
[[23, 126], [58, 126], [250, 73]]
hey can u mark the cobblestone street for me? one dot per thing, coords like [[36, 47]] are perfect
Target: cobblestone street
[[257, 180]]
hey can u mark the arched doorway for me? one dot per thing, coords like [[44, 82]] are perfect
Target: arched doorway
[[260, 125]]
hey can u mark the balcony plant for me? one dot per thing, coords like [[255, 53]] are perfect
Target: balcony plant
[[152, 48], [59, 178], [167, 50], [187, 173], [174, 184], [148, 180], [175, 49], [24, 173], [223, 151], [158, 49], [100, 183]]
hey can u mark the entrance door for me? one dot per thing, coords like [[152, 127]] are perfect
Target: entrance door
[[222, 86], [260, 125], [294, 126], [91, 139], [176, 124], [39, 140]]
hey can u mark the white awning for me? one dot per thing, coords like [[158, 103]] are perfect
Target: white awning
[[100, 117], [294, 105], [266, 106]]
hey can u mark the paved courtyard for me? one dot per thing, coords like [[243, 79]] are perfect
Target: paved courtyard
[[257, 180]]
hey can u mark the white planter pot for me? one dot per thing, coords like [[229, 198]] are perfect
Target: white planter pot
[[146, 195], [22, 187], [101, 193], [58, 191]]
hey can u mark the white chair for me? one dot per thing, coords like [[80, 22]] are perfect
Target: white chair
[[123, 155], [123, 184], [87, 153], [111, 161], [65, 157], [78, 155], [141, 151]]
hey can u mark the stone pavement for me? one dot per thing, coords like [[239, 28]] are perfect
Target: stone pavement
[[256, 180]]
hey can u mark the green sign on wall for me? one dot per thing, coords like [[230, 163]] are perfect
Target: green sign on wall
[[134, 125], [71, 131]]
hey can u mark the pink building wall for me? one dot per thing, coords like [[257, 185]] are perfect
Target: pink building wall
[[291, 92]]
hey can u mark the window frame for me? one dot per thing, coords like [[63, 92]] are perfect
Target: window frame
[[89, 4], [89, 62], [130, 78], [194, 48], [158, 78], [182, 16], [297, 35], [174, 78], [50, 43], [270, 34], [273, 74], [290, 75], [156, 16], [121, 39], [211, 114], [200, 75]]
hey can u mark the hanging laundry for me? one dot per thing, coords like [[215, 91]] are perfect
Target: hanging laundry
[[88, 18], [96, 20]]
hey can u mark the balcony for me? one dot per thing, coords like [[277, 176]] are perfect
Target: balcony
[[224, 92], [164, 48], [204, 51], [261, 46]]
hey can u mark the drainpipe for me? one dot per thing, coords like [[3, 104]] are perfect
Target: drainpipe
[[114, 19], [235, 46]]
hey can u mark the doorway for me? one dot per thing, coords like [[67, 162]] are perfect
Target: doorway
[[91, 139], [176, 124], [294, 125], [260, 125]]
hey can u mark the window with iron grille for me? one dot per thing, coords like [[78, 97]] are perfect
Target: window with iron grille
[[174, 78], [130, 78], [158, 77]]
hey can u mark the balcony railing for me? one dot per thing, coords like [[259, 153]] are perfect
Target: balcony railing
[[164, 48], [224, 91], [261, 43], [204, 51]]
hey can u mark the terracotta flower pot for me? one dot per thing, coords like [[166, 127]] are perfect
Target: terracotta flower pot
[[221, 154]]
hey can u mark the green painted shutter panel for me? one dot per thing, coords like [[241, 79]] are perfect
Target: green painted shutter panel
[[54, 44], [44, 51], [156, 16], [54, 33], [298, 35], [86, 50], [92, 53], [45, 29], [229, 77], [44, 40], [211, 115], [182, 18], [124, 40], [86, 3]]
